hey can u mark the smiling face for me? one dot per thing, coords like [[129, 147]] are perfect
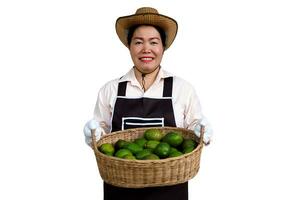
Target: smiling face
[[146, 48]]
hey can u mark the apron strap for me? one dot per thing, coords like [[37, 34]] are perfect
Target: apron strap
[[168, 86], [122, 88]]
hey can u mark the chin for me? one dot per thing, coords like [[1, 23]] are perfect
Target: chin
[[146, 69]]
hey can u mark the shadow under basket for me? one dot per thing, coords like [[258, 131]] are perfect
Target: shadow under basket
[[147, 173]]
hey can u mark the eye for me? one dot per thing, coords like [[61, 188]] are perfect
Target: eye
[[154, 43], [137, 42]]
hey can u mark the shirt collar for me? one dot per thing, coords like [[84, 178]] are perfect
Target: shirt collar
[[130, 76]]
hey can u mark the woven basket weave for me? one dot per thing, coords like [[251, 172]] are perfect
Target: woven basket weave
[[147, 173]]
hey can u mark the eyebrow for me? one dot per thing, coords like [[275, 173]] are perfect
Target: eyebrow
[[140, 38]]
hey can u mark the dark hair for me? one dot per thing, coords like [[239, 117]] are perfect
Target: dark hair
[[133, 28]]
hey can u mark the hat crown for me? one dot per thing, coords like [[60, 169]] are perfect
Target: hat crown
[[146, 10]]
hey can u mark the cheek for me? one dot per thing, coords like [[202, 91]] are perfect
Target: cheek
[[159, 50], [134, 50], [159, 53]]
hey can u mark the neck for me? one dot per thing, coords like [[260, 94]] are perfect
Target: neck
[[146, 79]]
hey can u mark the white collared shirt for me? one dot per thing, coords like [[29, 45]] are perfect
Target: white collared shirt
[[186, 105]]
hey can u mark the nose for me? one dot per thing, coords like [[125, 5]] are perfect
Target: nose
[[146, 48]]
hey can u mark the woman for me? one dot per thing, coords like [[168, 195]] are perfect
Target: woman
[[146, 96]]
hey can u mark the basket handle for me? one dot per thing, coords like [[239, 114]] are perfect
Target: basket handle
[[94, 144], [202, 130]]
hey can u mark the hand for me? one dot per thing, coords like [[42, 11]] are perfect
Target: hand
[[87, 130], [208, 132]]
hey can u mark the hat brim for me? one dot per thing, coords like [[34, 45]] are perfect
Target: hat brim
[[166, 23]]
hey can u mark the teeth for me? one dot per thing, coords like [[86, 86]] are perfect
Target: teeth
[[146, 58]]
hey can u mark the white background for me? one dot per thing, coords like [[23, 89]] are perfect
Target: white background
[[241, 56]]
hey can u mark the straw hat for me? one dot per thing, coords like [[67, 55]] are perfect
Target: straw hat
[[147, 16]]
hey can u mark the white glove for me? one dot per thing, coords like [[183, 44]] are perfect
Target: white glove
[[208, 132], [87, 130]]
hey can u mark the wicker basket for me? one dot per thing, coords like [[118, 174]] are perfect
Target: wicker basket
[[147, 173]]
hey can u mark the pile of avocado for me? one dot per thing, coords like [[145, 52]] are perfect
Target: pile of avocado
[[153, 145]]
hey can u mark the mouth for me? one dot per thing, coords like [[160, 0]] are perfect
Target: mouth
[[146, 59]]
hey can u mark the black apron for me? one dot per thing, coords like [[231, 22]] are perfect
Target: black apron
[[144, 112]]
